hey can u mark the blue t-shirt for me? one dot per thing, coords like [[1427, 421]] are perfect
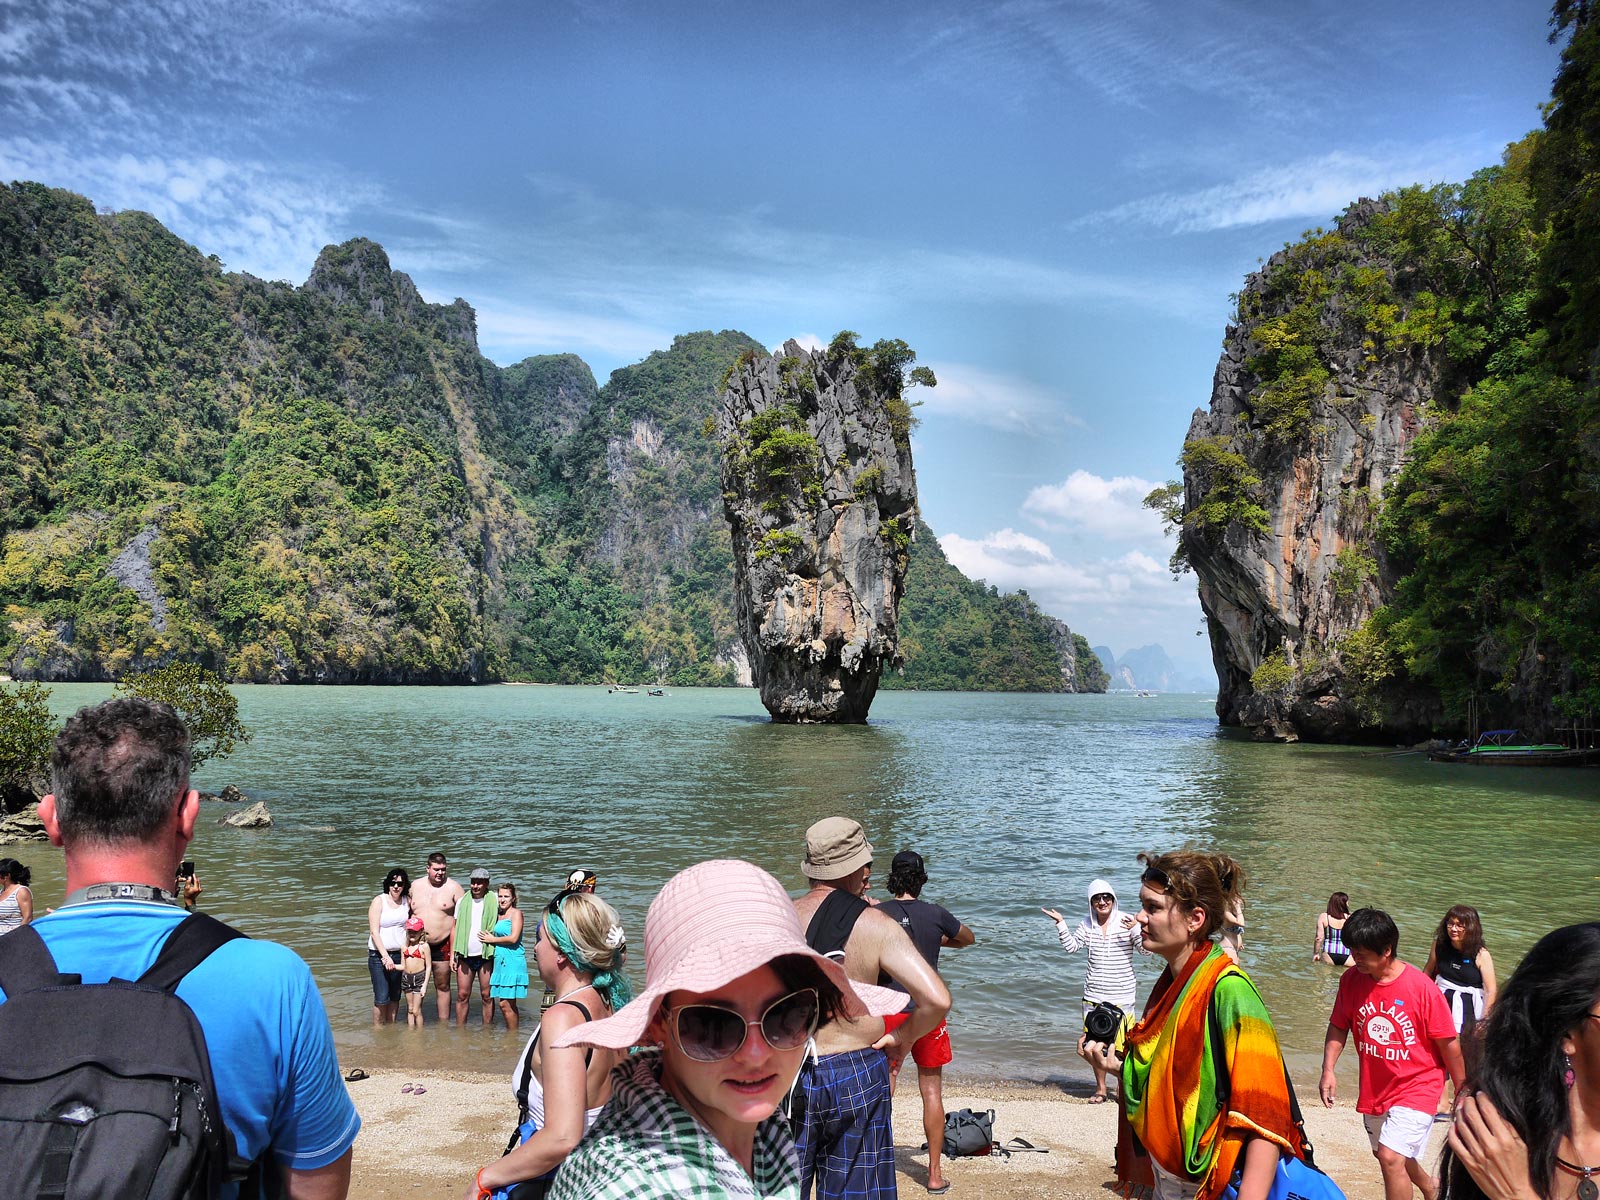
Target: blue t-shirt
[[266, 1031]]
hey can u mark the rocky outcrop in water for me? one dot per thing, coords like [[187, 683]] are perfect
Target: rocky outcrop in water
[[1283, 476], [820, 496], [254, 817]]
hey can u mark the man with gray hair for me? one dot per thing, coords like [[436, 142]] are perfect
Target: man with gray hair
[[844, 1094], [122, 809]]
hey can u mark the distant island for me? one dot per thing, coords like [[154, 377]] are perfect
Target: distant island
[[329, 483]]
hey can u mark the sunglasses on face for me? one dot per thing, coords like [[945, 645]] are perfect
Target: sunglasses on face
[[707, 1033], [1103, 898]]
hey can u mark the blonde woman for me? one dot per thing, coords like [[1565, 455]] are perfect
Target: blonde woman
[[580, 949]]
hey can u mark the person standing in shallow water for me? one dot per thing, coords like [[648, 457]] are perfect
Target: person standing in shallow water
[[433, 898], [1111, 936], [1461, 965], [1329, 945], [930, 928]]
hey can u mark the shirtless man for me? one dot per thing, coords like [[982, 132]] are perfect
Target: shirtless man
[[844, 1140], [433, 898]]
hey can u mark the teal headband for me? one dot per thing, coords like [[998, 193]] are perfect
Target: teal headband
[[612, 985]]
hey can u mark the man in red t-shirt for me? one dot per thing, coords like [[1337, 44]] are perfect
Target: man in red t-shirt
[[1405, 1040]]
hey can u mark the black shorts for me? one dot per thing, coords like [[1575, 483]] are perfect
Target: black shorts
[[470, 963], [440, 951]]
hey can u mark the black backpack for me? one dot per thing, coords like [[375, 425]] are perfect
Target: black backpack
[[106, 1089], [833, 922]]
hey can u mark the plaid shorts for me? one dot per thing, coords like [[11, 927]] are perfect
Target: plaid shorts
[[844, 1142]]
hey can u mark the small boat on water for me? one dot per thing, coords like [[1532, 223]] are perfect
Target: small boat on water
[[1505, 748], [657, 692]]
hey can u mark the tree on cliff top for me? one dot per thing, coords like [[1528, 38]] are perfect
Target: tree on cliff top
[[27, 732], [201, 699]]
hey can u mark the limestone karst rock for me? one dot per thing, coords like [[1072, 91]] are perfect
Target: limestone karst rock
[[1306, 456], [254, 817], [821, 498]]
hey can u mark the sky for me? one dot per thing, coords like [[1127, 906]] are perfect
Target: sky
[[1052, 201]]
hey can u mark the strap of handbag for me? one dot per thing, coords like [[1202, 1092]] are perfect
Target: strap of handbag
[[1219, 1067]]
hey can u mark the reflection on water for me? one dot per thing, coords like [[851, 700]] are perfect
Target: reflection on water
[[1016, 802]]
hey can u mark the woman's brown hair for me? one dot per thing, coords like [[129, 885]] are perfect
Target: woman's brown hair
[[1210, 882]]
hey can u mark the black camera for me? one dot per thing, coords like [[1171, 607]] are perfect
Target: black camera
[[1102, 1022]]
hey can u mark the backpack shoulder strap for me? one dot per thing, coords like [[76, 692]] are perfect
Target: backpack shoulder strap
[[26, 963], [834, 919], [187, 946]]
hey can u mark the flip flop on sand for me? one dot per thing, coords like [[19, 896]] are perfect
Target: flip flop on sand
[[418, 1090], [1099, 1099], [408, 1089], [355, 1075], [939, 1191]]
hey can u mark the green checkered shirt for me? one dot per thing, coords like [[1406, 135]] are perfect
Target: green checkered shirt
[[645, 1145]]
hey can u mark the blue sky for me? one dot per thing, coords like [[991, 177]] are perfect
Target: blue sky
[[1050, 201]]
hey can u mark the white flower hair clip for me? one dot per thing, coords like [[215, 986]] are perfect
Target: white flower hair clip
[[615, 937]]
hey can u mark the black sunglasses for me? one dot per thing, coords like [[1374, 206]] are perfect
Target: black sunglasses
[[1156, 876], [707, 1033]]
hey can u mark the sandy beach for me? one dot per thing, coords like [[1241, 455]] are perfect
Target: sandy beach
[[430, 1145]]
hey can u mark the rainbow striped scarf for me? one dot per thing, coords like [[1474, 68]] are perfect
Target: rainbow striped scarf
[[1169, 1083]]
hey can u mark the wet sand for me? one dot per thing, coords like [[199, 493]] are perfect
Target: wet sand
[[431, 1145]]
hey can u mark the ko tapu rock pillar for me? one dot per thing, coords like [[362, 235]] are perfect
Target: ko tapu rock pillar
[[821, 498]]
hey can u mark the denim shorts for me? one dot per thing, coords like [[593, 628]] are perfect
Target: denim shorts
[[385, 978]]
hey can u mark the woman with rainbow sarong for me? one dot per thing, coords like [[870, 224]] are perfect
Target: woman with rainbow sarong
[[1203, 1084]]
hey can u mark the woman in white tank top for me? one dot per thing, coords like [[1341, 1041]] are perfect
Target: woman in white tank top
[[386, 939], [579, 947]]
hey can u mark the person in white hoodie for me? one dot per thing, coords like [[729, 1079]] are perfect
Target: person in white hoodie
[[1111, 937]]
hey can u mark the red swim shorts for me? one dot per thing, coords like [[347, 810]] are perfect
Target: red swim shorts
[[930, 1050]]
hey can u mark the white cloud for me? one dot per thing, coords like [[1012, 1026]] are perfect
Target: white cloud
[[1114, 590], [1109, 508], [1003, 402], [1308, 189], [511, 332], [254, 218]]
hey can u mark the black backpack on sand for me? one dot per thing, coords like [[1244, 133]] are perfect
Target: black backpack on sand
[[106, 1089]]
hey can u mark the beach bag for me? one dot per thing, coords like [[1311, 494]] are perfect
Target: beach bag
[[968, 1133], [106, 1088], [1294, 1179]]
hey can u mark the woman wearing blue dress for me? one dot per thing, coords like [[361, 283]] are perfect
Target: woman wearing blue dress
[[509, 983]]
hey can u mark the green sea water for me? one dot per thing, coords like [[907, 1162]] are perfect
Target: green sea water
[[1016, 801]]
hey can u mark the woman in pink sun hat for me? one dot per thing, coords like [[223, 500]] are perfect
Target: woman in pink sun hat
[[732, 996]]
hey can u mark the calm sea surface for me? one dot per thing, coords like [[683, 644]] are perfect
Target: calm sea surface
[[1016, 801]]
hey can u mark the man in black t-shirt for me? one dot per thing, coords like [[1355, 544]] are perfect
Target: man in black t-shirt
[[931, 928]]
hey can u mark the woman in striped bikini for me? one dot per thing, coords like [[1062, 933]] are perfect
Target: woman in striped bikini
[[1330, 931]]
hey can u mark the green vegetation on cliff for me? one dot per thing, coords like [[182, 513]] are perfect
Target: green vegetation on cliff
[[962, 635], [329, 483], [1489, 290]]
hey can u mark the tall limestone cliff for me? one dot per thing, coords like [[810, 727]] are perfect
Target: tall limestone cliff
[[1309, 420], [820, 495], [329, 483]]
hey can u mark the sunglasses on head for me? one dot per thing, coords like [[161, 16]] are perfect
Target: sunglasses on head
[[1155, 875], [707, 1033]]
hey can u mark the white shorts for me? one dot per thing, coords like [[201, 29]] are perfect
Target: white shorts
[[1170, 1186], [1403, 1130]]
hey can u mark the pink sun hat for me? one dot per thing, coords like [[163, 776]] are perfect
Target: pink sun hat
[[710, 924]]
